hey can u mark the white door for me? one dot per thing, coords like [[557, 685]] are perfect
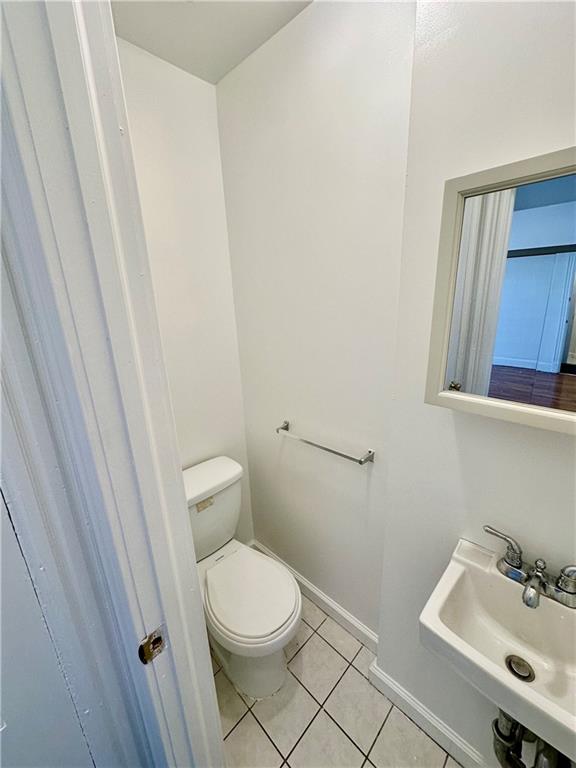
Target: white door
[[90, 465], [534, 311], [40, 726]]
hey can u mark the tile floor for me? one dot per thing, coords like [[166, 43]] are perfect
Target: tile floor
[[327, 715]]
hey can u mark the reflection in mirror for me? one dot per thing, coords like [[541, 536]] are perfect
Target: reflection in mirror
[[513, 330]]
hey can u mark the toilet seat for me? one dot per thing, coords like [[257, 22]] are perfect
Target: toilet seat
[[252, 603]]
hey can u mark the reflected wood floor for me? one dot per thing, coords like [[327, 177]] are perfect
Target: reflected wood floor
[[525, 385]]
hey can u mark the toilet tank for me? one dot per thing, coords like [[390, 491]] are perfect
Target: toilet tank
[[213, 494]]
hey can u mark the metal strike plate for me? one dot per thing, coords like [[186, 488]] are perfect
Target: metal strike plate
[[152, 645]]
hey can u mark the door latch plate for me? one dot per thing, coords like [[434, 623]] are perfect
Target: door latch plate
[[152, 645]]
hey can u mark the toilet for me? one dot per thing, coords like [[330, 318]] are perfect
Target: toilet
[[252, 603]]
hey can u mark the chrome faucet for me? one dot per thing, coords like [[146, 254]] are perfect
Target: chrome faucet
[[513, 556], [536, 580]]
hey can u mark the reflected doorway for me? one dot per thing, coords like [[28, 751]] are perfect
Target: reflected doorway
[[534, 358]]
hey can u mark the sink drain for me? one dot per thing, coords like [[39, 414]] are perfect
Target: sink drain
[[520, 668]]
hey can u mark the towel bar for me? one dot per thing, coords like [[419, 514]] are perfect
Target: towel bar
[[284, 429]]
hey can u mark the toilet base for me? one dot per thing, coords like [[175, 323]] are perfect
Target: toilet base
[[257, 677]]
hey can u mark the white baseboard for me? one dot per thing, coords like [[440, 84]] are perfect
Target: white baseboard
[[360, 631], [515, 362], [448, 739]]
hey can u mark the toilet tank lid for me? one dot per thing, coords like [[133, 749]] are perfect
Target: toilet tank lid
[[209, 477]]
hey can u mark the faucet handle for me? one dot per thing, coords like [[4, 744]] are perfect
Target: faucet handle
[[513, 554], [567, 579]]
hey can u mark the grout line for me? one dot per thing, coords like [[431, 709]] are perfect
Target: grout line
[[306, 689], [362, 673], [355, 655], [415, 724], [445, 761], [236, 724], [348, 664], [379, 732], [336, 649], [312, 633], [337, 724], [284, 757], [345, 630], [269, 738], [347, 660], [335, 684], [303, 733], [314, 629], [321, 703]]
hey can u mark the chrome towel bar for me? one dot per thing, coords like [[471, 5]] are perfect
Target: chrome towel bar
[[284, 429]]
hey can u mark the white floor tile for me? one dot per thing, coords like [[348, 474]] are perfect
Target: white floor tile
[[298, 640], [249, 747], [451, 763], [325, 746], [401, 744], [285, 715], [363, 660], [340, 639], [215, 665], [311, 614], [230, 704], [358, 708], [318, 667], [336, 738]]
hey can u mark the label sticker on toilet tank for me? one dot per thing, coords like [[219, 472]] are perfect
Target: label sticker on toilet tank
[[202, 505]]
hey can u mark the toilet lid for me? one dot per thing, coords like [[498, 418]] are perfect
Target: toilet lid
[[250, 594]]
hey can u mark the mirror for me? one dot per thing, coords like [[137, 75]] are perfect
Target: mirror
[[504, 330]]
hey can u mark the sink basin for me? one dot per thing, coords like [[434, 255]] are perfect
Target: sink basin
[[476, 619]]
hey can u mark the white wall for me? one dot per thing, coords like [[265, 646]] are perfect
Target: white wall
[[314, 132], [492, 83], [548, 225], [174, 131]]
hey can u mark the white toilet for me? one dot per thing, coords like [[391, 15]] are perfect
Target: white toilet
[[252, 603]]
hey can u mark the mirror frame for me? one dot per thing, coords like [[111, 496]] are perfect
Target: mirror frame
[[554, 164]]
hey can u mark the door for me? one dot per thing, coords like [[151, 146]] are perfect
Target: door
[[90, 466], [534, 311], [40, 726]]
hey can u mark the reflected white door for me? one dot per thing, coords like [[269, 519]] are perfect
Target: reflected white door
[[40, 728], [534, 311]]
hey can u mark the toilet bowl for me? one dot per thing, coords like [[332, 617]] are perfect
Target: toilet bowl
[[252, 603], [252, 606]]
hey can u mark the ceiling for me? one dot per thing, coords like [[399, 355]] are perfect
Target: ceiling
[[206, 38]]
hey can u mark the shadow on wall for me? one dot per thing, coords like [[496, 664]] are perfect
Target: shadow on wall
[[325, 509], [520, 495]]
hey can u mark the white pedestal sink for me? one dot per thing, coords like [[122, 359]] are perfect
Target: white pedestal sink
[[476, 619]]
